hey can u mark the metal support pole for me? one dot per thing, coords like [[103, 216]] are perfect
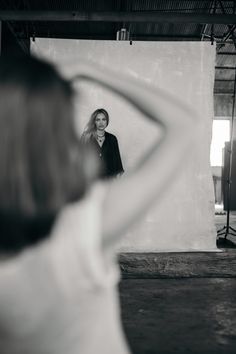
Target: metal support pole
[[227, 229], [0, 37]]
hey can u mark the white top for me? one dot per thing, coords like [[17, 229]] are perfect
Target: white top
[[61, 296]]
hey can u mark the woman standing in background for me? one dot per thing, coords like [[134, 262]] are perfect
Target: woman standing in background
[[104, 144]]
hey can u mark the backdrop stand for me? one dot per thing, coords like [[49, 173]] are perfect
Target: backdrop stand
[[227, 229]]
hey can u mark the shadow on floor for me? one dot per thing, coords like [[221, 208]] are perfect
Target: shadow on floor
[[223, 243]]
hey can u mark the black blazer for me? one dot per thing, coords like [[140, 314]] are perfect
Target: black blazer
[[109, 154]]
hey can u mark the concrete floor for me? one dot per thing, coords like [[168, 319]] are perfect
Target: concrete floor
[[180, 315], [186, 312]]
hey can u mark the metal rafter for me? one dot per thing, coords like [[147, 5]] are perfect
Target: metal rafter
[[12, 30], [231, 28]]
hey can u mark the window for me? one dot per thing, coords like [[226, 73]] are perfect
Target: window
[[220, 134]]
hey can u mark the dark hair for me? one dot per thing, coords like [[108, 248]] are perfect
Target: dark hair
[[41, 160], [90, 128]]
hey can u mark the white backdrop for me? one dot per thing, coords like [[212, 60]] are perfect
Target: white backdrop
[[185, 219]]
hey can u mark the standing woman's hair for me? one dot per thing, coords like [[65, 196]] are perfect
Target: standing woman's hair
[[41, 161], [90, 129]]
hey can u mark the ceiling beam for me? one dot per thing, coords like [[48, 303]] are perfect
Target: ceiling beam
[[135, 16], [226, 53], [225, 67], [112, 36], [223, 93]]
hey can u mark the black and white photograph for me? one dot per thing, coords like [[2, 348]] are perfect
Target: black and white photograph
[[117, 177]]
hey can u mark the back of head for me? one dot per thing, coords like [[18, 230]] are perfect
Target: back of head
[[40, 157]]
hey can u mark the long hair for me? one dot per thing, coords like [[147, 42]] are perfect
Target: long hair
[[41, 160], [90, 129]]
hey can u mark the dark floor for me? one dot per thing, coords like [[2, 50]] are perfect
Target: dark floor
[[186, 305], [180, 315]]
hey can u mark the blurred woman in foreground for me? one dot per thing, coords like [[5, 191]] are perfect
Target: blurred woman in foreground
[[58, 274]]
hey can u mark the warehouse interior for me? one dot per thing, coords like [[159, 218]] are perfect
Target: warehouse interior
[[174, 299], [136, 21]]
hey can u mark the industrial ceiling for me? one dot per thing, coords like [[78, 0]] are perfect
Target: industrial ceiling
[[146, 20]]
